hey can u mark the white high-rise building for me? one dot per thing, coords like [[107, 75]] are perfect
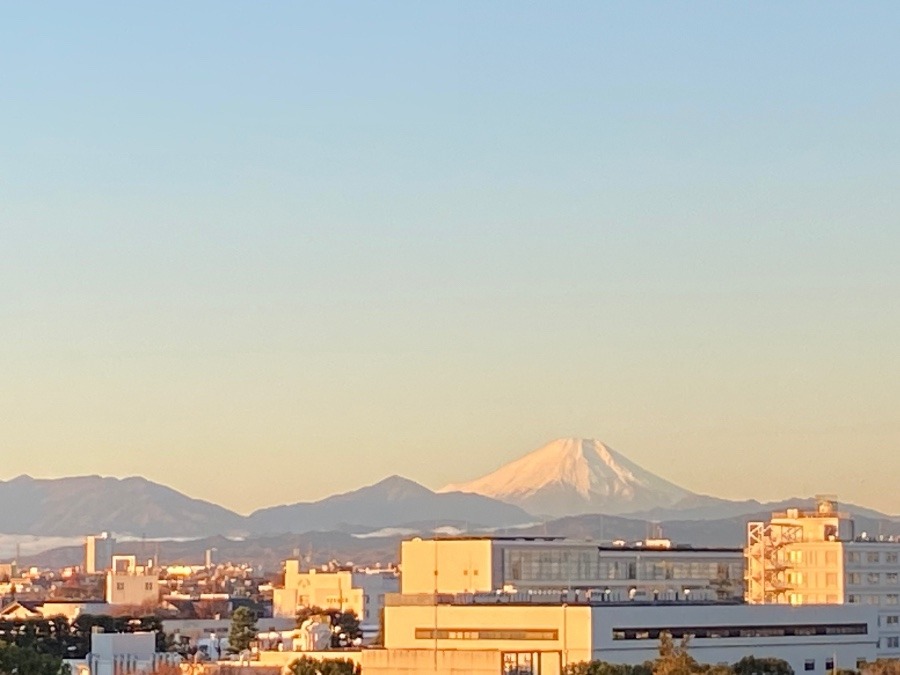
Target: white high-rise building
[[98, 552], [815, 557]]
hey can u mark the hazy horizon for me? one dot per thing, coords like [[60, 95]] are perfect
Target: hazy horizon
[[264, 254]]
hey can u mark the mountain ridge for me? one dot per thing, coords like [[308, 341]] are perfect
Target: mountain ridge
[[570, 476], [570, 482]]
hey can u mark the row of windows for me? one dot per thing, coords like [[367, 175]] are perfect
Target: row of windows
[[484, 634], [874, 557], [853, 557], [872, 578], [568, 565], [120, 586], [811, 557], [740, 631], [861, 599], [810, 664]]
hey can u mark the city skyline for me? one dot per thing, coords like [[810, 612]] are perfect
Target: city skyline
[[334, 243]]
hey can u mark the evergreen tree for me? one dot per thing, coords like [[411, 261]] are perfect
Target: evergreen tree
[[243, 630], [27, 661]]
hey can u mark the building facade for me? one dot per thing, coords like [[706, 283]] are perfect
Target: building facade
[[815, 557], [650, 570], [459, 610], [128, 583], [361, 591], [98, 553]]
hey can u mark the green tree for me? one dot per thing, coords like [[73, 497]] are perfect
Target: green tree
[[750, 665], [379, 639], [309, 666], [243, 630], [604, 668], [28, 661], [674, 659], [881, 667], [344, 624]]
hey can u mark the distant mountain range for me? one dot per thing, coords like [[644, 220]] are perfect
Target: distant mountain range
[[381, 546], [72, 507], [82, 505], [393, 502], [556, 490]]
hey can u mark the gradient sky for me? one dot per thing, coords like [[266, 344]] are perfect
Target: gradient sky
[[263, 252]]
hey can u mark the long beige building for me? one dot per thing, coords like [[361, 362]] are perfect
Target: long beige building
[[816, 557], [649, 570]]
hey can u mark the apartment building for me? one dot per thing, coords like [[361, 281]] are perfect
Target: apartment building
[[128, 583], [358, 590], [654, 569], [816, 557]]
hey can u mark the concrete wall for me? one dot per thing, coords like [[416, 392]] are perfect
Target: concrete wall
[[570, 625], [446, 566], [201, 628], [132, 589], [416, 661]]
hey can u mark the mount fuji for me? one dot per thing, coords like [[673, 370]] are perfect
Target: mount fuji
[[573, 476]]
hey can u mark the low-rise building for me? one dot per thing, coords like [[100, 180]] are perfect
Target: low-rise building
[[117, 653], [361, 591], [536, 635], [128, 583]]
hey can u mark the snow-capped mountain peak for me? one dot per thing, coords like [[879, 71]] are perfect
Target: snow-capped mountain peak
[[574, 475]]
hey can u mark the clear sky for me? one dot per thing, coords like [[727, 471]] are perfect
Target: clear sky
[[263, 252]]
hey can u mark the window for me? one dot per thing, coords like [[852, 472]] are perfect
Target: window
[[809, 664], [873, 557], [483, 634], [776, 631], [854, 578], [557, 564], [874, 578], [893, 642], [148, 586], [852, 599], [890, 578], [853, 557], [120, 585], [520, 663], [890, 558], [831, 557], [892, 620], [892, 599], [829, 664]]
